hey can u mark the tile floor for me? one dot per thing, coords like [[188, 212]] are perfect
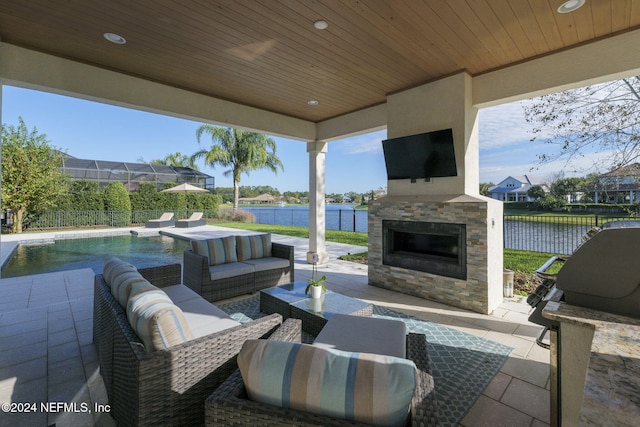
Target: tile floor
[[47, 355]]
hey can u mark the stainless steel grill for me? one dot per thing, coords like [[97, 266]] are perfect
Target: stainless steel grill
[[603, 274]]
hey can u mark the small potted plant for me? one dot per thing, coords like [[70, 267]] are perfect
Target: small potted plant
[[316, 285]]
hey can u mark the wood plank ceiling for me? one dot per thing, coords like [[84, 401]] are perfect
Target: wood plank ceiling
[[267, 53]]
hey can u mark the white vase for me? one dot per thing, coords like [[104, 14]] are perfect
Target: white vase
[[317, 304], [316, 292]]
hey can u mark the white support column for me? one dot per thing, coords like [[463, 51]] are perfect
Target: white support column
[[317, 248], [1, 89]]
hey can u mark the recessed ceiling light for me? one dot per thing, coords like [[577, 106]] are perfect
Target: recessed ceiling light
[[570, 6], [313, 102], [320, 25], [115, 38]]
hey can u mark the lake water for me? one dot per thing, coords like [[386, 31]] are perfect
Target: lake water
[[561, 239], [337, 216], [71, 254], [558, 235]]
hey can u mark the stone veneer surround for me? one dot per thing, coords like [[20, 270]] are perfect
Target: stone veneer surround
[[482, 290]]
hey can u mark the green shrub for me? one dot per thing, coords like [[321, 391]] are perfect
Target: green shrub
[[85, 196], [236, 215], [117, 202]]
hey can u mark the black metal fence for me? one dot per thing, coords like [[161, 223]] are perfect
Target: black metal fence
[[554, 234], [52, 220]]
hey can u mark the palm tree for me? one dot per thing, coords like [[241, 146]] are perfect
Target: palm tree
[[242, 151], [176, 159]]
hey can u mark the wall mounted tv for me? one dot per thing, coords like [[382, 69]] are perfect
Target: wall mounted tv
[[426, 155]]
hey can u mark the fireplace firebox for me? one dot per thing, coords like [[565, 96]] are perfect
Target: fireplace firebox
[[432, 247]]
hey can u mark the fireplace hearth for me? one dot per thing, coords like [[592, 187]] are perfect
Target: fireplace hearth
[[432, 247]]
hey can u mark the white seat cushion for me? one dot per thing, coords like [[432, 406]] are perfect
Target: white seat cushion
[[225, 271], [265, 264], [180, 293], [364, 334], [205, 318]]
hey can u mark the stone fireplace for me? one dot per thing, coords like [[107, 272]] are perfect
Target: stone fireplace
[[438, 247]]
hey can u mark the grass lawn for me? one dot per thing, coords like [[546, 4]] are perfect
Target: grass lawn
[[523, 263], [349, 237]]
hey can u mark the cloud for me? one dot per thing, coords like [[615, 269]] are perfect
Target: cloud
[[370, 143], [495, 169], [503, 125]]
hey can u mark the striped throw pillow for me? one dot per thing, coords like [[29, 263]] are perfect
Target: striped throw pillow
[[114, 266], [220, 250], [360, 387], [252, 247], [157, 321], [121, 285]]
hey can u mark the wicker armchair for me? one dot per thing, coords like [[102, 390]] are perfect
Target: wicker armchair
[[198, 278], [165, 387], [229, 405]]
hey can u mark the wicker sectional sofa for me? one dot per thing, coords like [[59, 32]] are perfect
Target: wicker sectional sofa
[[225, 267], [166, 386]]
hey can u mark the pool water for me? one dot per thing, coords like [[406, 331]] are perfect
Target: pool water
[[71, 254]]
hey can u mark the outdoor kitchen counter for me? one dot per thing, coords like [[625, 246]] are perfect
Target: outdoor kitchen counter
[[612, 387]]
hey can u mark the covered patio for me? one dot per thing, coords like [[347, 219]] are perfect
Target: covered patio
[[319, 72], [48, 354]]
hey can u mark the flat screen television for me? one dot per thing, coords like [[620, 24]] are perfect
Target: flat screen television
[[423, 156]]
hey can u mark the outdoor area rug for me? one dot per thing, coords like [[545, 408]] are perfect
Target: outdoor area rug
[[462, 364]]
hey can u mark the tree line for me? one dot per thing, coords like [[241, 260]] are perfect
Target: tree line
[[33, 183], [291, 197]]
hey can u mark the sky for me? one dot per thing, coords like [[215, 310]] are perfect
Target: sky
[[90, 130]]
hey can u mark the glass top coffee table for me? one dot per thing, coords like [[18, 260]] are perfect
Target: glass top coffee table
[[290, 301], [278, 298]]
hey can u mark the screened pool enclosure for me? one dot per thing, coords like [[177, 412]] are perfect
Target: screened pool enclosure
[[133, 174]]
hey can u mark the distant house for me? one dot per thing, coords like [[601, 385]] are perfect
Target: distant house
[[621, 185], [263, 198], [514, 189]]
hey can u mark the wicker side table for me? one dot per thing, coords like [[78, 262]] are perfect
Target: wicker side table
[[279, 298], [316, 313]]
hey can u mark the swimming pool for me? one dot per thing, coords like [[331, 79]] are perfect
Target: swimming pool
[[71, 254]]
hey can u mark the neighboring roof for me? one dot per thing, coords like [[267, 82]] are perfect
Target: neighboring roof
[[628, 170], [261, 198], [498, 189], [526, 182]]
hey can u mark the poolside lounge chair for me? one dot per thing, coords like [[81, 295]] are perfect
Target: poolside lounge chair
[[194, 220], [166, 220]]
